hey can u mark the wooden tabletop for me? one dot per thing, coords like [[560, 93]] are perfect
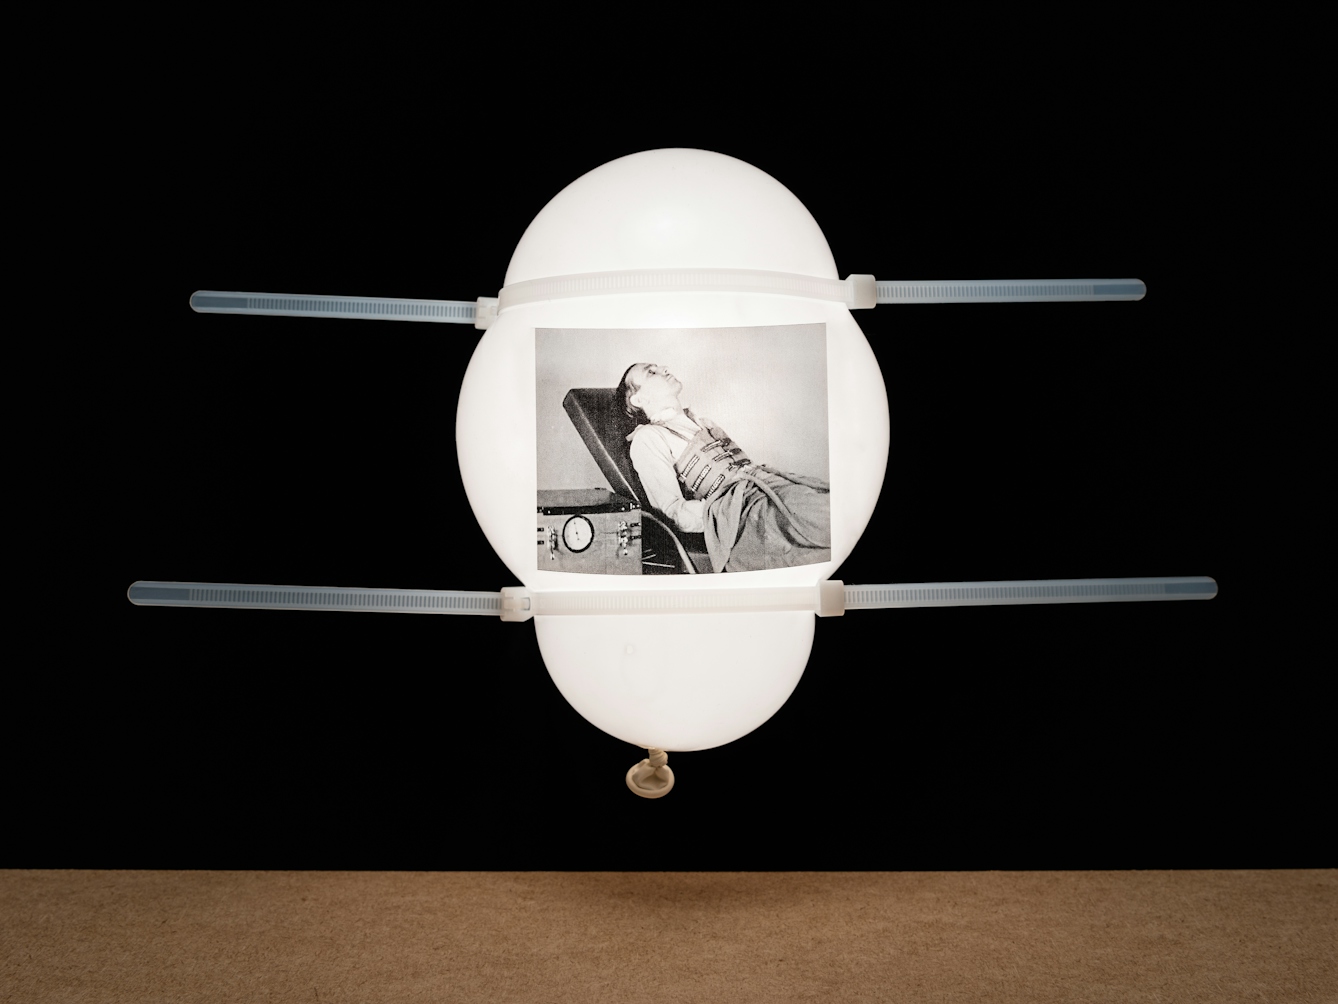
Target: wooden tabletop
[[1118, 936]]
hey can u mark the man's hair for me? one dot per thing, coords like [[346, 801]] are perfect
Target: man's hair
[[624, 397]]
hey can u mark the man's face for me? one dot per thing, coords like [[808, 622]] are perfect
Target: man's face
[[653, 382]]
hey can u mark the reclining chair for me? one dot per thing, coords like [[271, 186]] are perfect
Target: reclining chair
[[603, 428]]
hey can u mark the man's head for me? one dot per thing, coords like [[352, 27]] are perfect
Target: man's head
[[647, 388]]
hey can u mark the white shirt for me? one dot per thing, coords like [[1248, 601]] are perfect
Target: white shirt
[[654, 451]]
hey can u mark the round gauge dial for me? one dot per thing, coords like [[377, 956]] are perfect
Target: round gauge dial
[[577, 534]]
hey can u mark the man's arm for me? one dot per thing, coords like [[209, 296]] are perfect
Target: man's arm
[[654, 463]]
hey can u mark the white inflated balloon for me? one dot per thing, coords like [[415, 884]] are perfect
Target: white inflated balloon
[[639, 677], [672, 209]]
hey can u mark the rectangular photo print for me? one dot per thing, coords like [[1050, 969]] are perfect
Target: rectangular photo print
[[682, 451]]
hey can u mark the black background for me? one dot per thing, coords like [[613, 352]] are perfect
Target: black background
[[1028, 441]]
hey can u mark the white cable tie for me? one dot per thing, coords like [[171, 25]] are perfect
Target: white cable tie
[[266, 597], [519, 603], [485, 311], [375, 308], [963, 594], [856, 292], [1008, 290], [830, 598]]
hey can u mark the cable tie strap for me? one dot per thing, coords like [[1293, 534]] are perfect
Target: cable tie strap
[[827, 599], [856, 291], [830, 598], [961, 594], [1008, 290], [257, 596], [373, 308]]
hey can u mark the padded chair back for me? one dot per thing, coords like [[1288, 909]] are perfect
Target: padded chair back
[[604, 428]]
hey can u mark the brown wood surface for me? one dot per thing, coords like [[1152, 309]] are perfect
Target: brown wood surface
[[1122, 936]]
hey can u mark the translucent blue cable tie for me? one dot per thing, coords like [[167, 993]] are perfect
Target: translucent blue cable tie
[[962, 594], [829, 598], [376, 308], [1008, 290], [252, 596], [856, 291]]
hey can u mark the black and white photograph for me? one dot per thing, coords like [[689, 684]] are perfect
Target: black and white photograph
[[667, 451]]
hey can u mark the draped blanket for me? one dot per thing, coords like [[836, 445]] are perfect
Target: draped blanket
[[769, 519]]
